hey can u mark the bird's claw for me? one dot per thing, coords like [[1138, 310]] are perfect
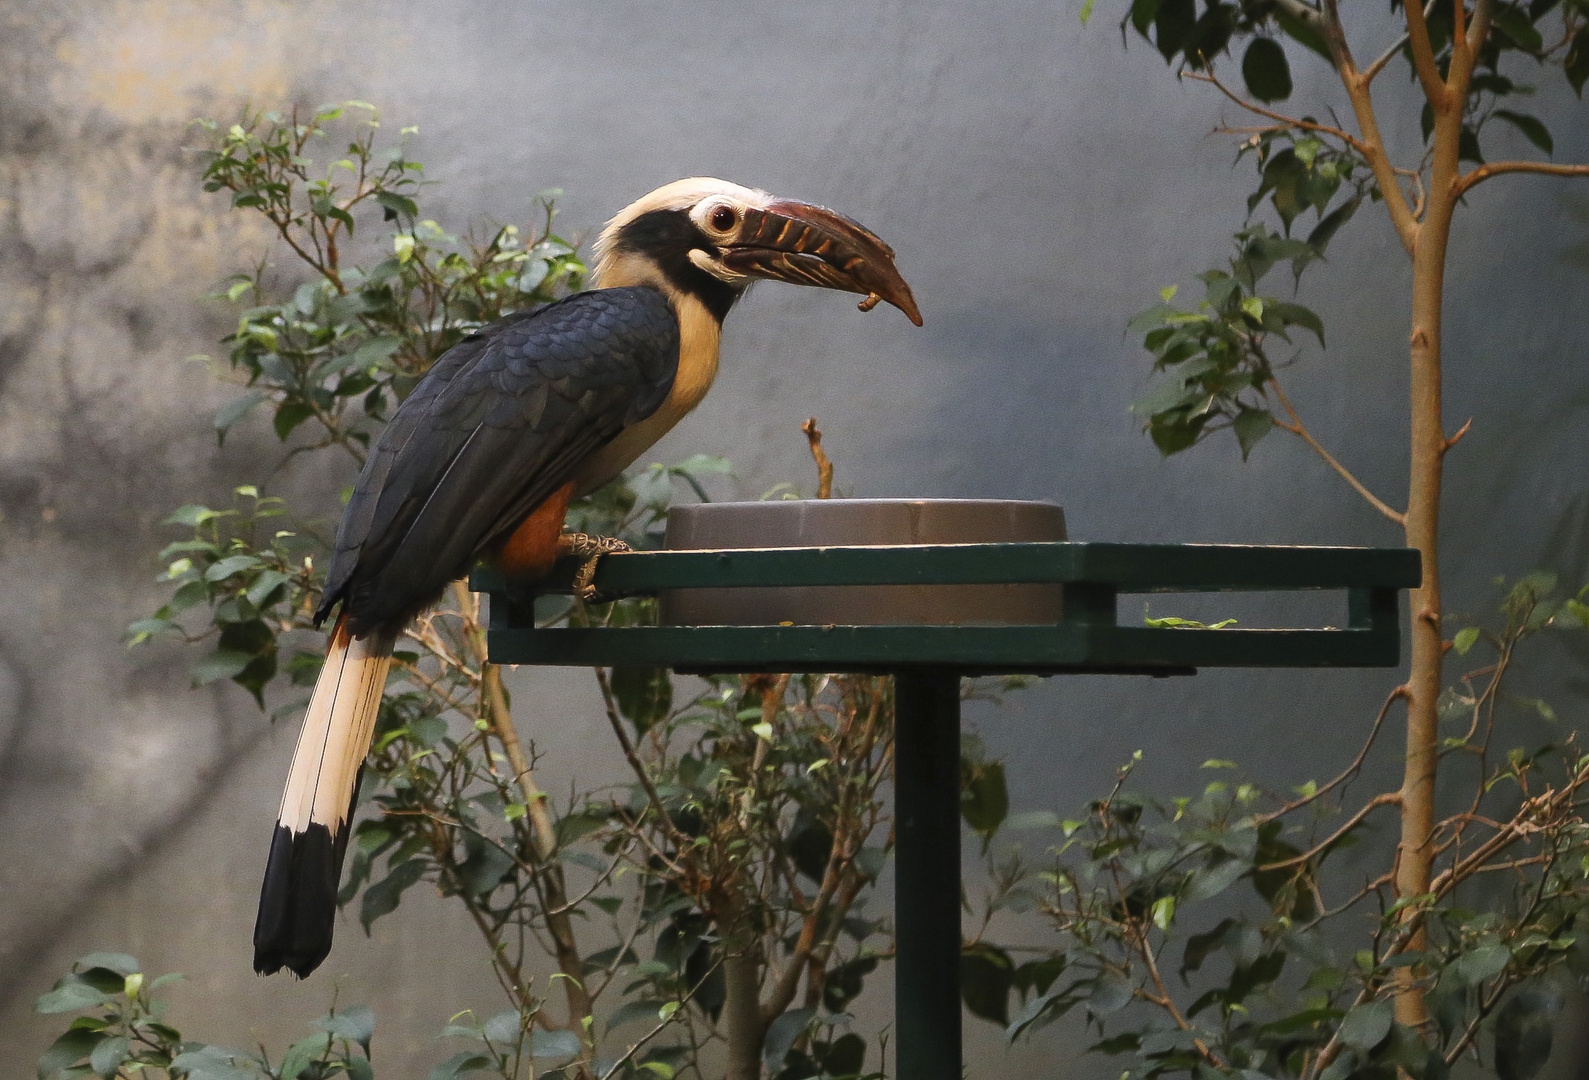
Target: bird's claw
[[590, 549]]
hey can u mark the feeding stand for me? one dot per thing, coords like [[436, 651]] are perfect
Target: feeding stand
[[928, 592]]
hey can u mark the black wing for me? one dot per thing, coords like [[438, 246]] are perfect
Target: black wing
[[498, 424]]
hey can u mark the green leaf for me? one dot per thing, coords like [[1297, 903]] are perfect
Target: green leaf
[[214, 1063], [231, 565], [107, 1056], [781, 1036], [1296, 315], [1515, 24], [484, 867], [1110, 993], [221, 664], [1575, 65], [632, 1010], [69, 997], [1199, 946], [1532, 127], [986, 976], [1250, 426], [466, 1061], [264, 585], [1366, 1026], [383, 897], [289, 415], [1173, 25], [503, 1029], [1468, 146], [1319, 239], [1265, 70], [233, 412], [845, 982], [191, 515], [396, 207], [106, 981], [1524, 1032], [355, 1023], [1302, 33], [644, 695], [300, 1054], [1210, 881], [1143, 12], [1480, 964], [70, 1048], [1465, 639], [553, 1044], [984, 797]]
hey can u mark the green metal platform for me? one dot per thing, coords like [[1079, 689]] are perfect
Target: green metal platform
[[927, 663], [1087, 638]]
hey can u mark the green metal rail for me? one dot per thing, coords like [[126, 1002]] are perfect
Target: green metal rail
[[1087, 637]]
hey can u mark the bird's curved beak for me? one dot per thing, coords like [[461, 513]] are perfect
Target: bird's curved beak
[[812, 245]]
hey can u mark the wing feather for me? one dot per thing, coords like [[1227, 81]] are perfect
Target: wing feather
[[501, 421]]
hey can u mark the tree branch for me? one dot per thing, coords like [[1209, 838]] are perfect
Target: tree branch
[[635, 764], [1477, 176], [1352, 769], [1296, 428], [1423, 57], [1335, 37], [1280, 118], [1479, 28], [1388, 798]]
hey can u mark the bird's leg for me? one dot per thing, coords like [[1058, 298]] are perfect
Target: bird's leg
[[590, 549]]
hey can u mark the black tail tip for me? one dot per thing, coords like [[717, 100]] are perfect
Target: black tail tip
[[298, 900]]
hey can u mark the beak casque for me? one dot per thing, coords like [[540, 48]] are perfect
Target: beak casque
[[812, 245]]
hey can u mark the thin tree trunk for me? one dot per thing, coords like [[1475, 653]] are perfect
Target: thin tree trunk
[[742, 1025], [1413, 854], [558, 922]]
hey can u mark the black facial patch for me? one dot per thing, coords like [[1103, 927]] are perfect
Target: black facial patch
[[667, 237]]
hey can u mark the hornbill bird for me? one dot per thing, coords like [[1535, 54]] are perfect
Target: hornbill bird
[[481, 459]]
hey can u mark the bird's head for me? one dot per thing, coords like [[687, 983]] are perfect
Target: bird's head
[[711, 239]]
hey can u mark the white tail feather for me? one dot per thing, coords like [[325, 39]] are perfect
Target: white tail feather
[[336, 731]]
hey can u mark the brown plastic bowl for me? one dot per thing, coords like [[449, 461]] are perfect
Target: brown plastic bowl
[[863, 522]]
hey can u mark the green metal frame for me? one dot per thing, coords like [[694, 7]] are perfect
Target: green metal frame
[[1086, 639], [927, 662]]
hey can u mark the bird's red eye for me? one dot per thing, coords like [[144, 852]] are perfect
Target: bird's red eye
[[723, 218]]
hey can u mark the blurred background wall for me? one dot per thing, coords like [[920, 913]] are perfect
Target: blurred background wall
[[1039, 183]]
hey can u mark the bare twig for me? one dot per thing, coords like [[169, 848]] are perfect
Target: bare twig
[[1288, 121], [635, 764], [1297, 428], [640, 1044], [1351, 770], [1387, 798], [824, 465]]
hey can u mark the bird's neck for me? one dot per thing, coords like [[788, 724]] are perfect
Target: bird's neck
[[700, 332], [700, 327]]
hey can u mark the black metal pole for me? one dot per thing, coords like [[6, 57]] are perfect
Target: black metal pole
[[927, 874]]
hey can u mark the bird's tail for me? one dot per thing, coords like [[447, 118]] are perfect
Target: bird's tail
[[298, 901]]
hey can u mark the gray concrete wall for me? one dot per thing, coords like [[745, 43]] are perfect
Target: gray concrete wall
[[1039, 185]]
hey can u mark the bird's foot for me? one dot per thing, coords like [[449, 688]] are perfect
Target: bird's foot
[[590, 549]]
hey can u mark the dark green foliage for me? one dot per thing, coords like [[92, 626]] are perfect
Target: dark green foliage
[[123, 1034], [254, 578], [1215, 364], [1241, 886]]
